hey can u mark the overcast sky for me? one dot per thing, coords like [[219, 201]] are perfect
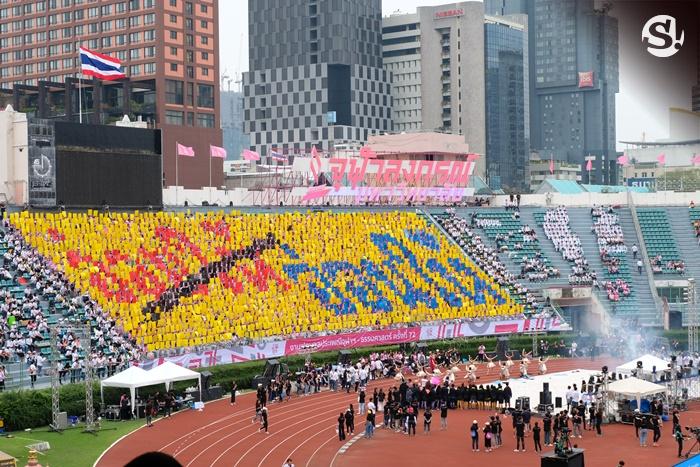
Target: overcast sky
[[641, 106]]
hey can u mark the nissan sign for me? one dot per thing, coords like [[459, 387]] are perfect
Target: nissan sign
[[449, 13]]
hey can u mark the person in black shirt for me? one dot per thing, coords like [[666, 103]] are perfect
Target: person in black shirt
[[520, 434], [656, 428], [507, 394], [411, 418], [341, 427], [234, 388], [427, 419], [536, 437], [443, 415], [678, 435], [264, 425], [350, 420], [474, 432], [547, 426], [676, 420], [598, 421]]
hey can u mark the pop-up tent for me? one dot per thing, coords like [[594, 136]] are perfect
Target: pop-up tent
[[168, 372], [636, 388], [648, 363], [132, 378]]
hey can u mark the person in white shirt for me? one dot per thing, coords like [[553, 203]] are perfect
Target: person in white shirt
[[288, 463]]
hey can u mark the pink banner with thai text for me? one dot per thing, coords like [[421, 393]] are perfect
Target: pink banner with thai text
[[352, 340]]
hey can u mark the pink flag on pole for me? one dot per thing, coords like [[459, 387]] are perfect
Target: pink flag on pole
[[623, 160], [696, 160], [184, 150], [315, 164], [250, 155], [661, 159], [367, 152], [589, 165], [472, 157], [216, 151], [551, 166]]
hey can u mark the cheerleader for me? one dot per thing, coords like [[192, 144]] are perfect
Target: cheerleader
[[505, 374], [526, 357], [523, 369], [490, 365], [543, 365], [509, 361]]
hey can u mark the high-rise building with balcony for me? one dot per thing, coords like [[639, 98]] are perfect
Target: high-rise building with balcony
[[169, 50], [316, 74]]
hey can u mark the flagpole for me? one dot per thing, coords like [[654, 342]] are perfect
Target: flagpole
[[210, 201], [80, 98], [177, 184]]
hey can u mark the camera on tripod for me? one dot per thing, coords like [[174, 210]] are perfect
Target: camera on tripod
[[694, 430]]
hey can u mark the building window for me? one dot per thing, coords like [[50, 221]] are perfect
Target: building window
[[149, 68], [205, 120], [205, 96], [205, 55], [190, 72], [173, 92], [173, 117], [173, 51], [173, 67], [173, 35], [173, 3], [205, 40], [203, 8], [190, 118], [205, 71], [204, 24]]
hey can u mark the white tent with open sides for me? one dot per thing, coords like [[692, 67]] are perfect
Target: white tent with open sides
[[169, 372], [132, 378], [636, 388], [648, 363]]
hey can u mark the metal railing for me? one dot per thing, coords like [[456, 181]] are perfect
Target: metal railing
[[645, 257]]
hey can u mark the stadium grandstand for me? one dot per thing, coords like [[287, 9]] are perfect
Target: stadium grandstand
[[163, 281]]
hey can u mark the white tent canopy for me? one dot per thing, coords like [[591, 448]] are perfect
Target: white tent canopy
[[136, 377], [132, 378], [635, 388], [170, 372], [648, 363]]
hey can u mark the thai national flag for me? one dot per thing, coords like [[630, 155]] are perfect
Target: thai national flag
[[276, 156], [100, 66]]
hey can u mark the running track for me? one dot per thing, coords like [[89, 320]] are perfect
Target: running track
[[304, 429]]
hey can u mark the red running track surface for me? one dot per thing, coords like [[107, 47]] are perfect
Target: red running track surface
[[304, 429]]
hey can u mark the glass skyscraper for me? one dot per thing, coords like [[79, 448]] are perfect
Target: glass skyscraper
[[507, 108]]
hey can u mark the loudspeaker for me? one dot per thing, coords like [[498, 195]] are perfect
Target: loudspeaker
[[639, 364], [545, 387], [557, 402], [545, 397], [522, 403], [574, 459], [206, 380]]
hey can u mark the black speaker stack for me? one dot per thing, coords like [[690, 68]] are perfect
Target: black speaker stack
[[522, 403], [545, 400]]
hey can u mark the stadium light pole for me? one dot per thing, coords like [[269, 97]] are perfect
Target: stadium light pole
[[691, 312]]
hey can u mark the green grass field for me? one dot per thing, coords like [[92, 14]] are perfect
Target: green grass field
[[72, 448]]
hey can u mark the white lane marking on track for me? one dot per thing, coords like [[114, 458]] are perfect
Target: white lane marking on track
[[298, 406], [296, 403], [345, 447], [335, 407]]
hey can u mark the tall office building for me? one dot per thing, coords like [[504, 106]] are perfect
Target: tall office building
[[169, 50], [573, 78], [235, 140], [507, 105], [316, 74], [436, 57]]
